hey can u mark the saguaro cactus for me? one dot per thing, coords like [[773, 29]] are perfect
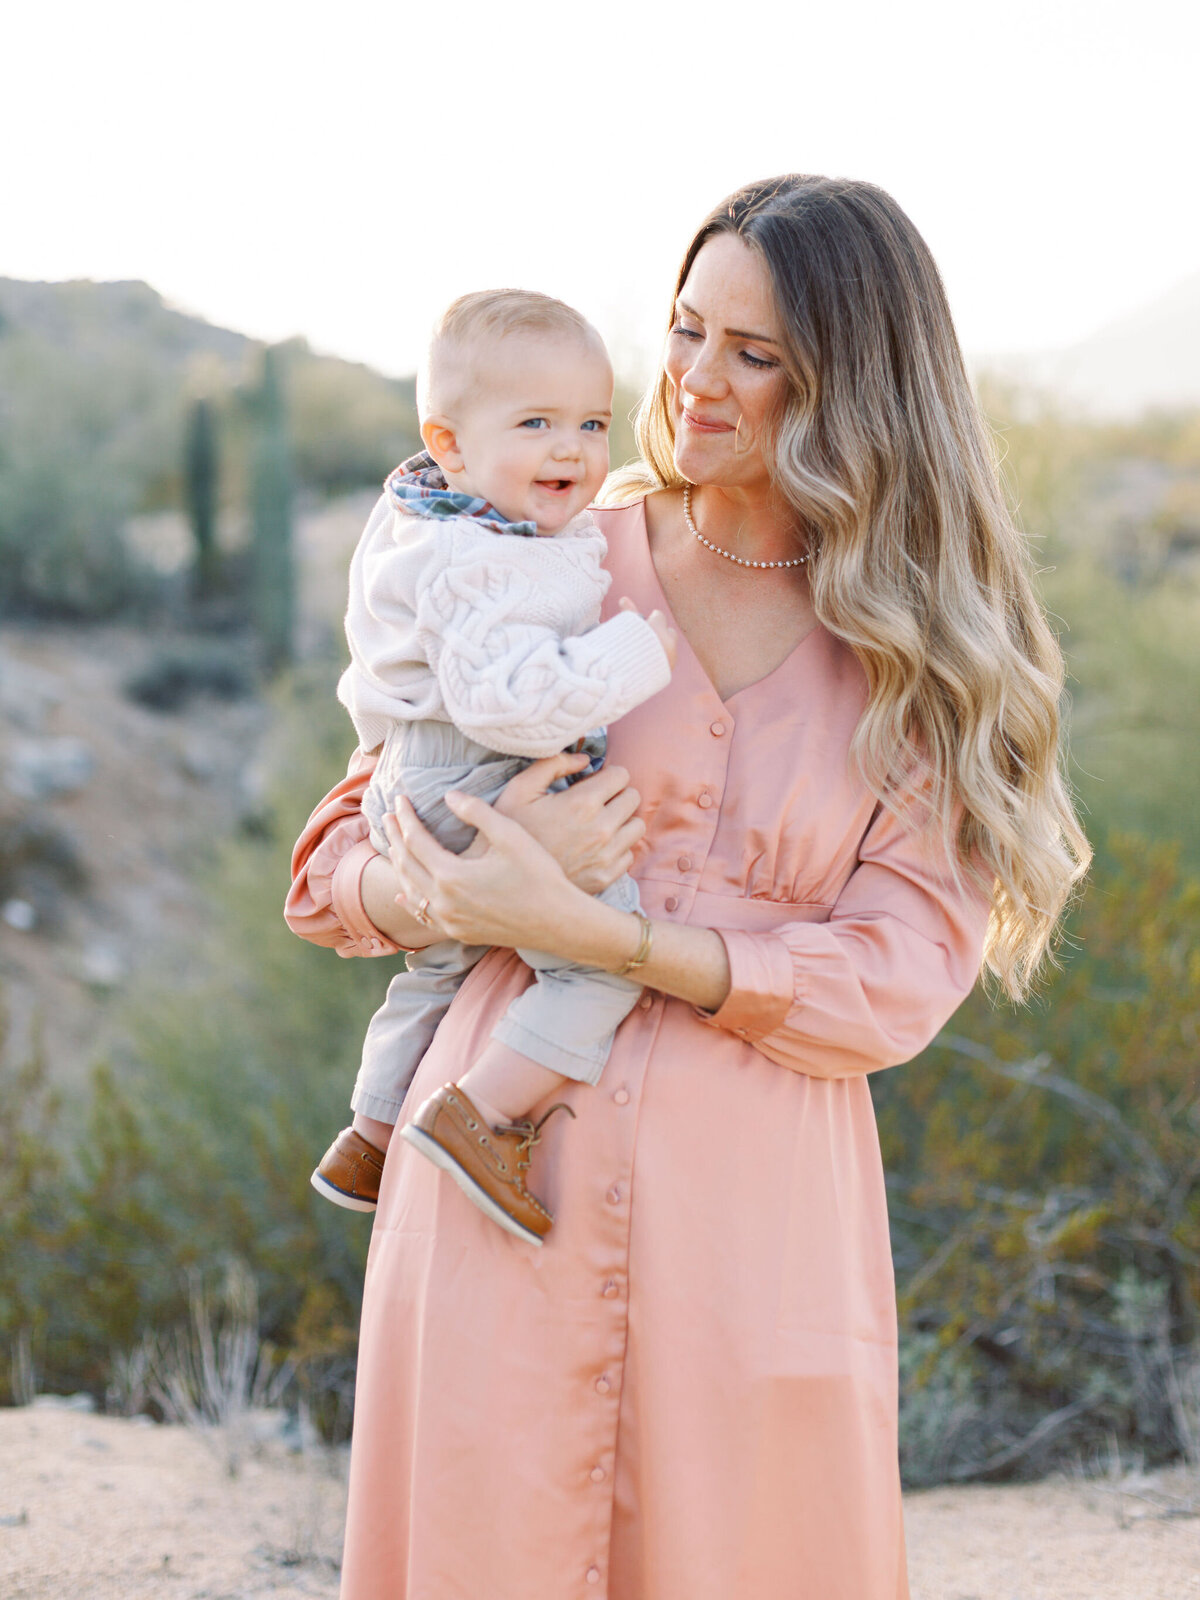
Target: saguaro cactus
[[271, 488], [201, 488]]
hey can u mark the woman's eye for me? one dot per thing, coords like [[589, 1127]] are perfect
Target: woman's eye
[[535, 422], [686, 333], [756, 361]]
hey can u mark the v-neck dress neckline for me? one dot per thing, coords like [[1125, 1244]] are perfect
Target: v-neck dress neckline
[[726, 702]]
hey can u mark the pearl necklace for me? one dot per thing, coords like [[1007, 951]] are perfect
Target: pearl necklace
[[728, 554]]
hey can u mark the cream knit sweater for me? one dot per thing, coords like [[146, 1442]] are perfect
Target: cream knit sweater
[[494, 632]]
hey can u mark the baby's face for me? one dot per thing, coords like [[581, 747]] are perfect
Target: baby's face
[[533, 433]]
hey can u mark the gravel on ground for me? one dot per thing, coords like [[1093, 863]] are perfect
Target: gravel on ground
[[107, 1508]]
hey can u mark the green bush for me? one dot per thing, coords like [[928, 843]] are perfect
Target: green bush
[[1046, 1194], [66, 484], [198, 1147]]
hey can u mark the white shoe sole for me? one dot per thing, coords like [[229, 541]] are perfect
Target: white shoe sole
[[329, 1191], [433, 1151]]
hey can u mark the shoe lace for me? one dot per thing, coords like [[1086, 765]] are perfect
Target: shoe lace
[[531, 1132]]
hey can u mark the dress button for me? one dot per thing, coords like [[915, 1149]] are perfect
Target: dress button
[[613, 1196], [716, 729], [704, 800], [671, 903], [685, 863], [603, 1385], [597, 1474], [646, 1001], [610, 1289], [593, 1574], [622, 1097]]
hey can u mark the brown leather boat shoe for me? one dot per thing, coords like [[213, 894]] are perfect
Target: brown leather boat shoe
[[349, 1172], [488, 1164]]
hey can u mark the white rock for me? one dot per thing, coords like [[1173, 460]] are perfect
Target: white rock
[[40, 768], [103, 964], [27, 694], [19, 914], [63, 1402]]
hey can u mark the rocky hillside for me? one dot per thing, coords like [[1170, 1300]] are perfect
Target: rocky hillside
[[116, 789]]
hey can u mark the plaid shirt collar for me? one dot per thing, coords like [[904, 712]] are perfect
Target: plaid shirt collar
[[419, 487]]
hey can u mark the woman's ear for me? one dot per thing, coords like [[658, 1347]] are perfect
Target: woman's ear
[[440, 439]]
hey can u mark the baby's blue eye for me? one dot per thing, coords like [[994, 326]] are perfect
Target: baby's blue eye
[[535, 422], [595, 425]]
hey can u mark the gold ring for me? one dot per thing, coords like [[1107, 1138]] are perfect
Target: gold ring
[[422, 911]]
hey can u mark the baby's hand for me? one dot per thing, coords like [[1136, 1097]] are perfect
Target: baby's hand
[[666, 635]]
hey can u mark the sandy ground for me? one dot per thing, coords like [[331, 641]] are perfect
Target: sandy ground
[[99, 1508]]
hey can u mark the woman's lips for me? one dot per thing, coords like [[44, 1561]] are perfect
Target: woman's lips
[[701, 425]]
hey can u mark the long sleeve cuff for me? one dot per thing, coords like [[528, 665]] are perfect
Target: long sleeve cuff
[[362, 937], [762, 988]]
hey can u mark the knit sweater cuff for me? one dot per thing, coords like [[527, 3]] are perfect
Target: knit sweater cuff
[[639, 665], [371, 727]]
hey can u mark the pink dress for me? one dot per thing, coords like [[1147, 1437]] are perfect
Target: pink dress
[[690, 1392]]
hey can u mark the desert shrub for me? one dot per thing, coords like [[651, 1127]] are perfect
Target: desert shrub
[[181, 673], [350, 425], [197, 1145], [214, 1372], [1133, 655], [33, 1212], [1046, 1191], [36, 856], [66, 486]]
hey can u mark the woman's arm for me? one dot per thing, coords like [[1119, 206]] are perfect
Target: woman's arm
[[324, 903], [343, 894], [865, 990], [870, 987], [513, 893]]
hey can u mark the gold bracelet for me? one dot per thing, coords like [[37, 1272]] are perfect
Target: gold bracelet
[[641, 955]]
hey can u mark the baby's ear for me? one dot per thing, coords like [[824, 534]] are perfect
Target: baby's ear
[[440, 439]]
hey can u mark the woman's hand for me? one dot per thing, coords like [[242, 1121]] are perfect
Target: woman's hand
[[590, 829], [507, 890]]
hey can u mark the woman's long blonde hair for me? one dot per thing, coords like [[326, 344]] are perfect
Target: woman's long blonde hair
[[915, 562]]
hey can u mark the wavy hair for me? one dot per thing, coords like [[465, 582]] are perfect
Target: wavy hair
[[881, 451]]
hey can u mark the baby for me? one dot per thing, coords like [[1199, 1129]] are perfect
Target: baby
[[476, 646]]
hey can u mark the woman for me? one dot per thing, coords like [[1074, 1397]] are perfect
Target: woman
[[850, 795]]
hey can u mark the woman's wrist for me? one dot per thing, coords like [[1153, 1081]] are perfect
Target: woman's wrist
[[377, 890], [590, 933], [689, 963]]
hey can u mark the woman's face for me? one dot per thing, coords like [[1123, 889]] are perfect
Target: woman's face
[[723, 365]]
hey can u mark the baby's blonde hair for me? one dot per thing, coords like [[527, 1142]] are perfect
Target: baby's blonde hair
[[472, 320]]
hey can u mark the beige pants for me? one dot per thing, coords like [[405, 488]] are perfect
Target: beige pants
[[565, 1020]]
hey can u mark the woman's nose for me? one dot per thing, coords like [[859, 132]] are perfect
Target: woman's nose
[[702, 377]]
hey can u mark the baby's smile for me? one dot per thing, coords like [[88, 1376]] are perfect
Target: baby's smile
[[533, 437]]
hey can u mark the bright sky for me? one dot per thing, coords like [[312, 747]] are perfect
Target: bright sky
[[343, 171]]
